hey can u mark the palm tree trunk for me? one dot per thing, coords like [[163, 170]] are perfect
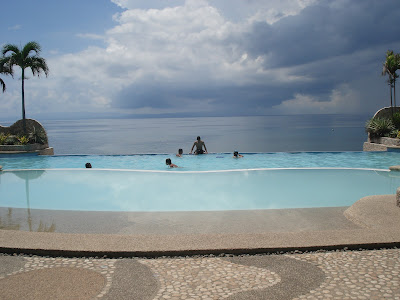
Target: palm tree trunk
[[394, 91], [391, 99], [23, 102], [391, 93]]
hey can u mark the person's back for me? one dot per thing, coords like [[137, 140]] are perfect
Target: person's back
[[199, 146]]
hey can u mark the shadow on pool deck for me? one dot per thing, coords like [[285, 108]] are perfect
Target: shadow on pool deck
[[371, 222]]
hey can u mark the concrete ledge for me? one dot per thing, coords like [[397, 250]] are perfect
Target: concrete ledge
[[376, 212], [374, 147], [387, 141], [73, 245], [23, 148], [47, 151]]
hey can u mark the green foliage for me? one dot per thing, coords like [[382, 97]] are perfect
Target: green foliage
[[394, 133], [390, 66], [23, 140], [11, 140], [396, 120], [37, 136], [3, 138], [379, 127]]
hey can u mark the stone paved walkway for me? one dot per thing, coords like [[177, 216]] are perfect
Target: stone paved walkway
[[367, 274]]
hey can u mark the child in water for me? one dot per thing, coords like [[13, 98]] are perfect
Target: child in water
[[170, 164], [237, 155], [180, 152]]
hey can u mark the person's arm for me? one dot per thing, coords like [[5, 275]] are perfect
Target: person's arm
[[205, 148], [192, 148]]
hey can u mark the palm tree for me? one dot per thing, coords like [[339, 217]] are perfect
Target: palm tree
[[390, 66], [27, 57]]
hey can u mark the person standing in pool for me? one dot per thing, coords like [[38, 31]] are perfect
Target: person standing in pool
[[199, 147]]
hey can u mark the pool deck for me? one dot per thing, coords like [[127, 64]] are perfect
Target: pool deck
[[71, 266], [372, 222]]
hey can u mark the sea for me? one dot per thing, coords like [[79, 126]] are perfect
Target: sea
[[246, 134]]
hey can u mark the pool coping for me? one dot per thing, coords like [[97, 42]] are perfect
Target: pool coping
[[378, 219]]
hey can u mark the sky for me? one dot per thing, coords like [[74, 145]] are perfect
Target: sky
[[158, 58]]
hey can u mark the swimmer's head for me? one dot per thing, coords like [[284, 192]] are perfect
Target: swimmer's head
[[88, 165], [168, 161], [235, 153], [198, 138], [180, 151]]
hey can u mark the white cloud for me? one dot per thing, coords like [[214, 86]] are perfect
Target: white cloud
[[15, 27], [185, 45]]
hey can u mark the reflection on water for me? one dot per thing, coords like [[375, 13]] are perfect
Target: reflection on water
[[23, 220], [15, 223], [8, 223]]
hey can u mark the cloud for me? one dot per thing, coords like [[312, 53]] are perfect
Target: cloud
[[15, 27], [248, 57], [326, 29]]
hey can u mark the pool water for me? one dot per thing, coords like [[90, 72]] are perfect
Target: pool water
[[216, 161], [127, 190]]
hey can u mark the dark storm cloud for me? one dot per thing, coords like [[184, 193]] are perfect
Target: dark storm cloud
[[225, 100], [327, 29]]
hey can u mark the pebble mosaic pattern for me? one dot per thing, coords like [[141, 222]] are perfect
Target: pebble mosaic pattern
[[369, 274], [207, 278], [356, 274], [102, 266]]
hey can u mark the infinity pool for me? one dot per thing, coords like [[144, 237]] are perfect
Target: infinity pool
[[128, 190], [215, 161]]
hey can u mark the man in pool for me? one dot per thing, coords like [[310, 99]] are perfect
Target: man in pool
[[199, 147], [170, 164]]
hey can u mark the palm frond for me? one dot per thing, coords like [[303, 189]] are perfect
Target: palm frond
[[37, 65], [29, 47], [3, 85], [9, 48], [6, 66]]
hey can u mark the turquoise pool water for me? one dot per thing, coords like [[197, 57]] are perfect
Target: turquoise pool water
[[126, 190], [219, 161]]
